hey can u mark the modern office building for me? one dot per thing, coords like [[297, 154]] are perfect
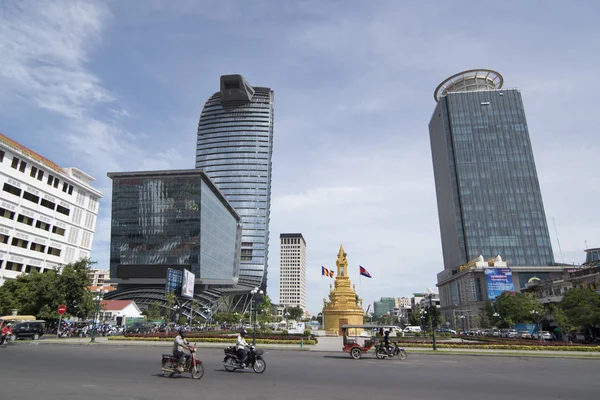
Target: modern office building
[[47, 213], [235, 138], [292, 270], [488, 194], [171, 219]]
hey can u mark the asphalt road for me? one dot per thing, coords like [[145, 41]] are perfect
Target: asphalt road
[[30, 370]]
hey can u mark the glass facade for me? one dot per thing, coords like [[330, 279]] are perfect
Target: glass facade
[[162, 220], [235, 136], [488, 194]]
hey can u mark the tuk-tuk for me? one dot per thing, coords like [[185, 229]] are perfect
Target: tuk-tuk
[[359, 339]]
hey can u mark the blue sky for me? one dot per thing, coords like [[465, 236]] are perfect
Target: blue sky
[[117, 86]]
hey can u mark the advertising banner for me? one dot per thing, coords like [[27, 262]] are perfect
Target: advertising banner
[[498, 280], [187, 289], [174, 281]]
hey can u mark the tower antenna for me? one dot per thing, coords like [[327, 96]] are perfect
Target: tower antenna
[[558, 240]]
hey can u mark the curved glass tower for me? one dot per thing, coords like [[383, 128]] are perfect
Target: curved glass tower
[[235, 138]]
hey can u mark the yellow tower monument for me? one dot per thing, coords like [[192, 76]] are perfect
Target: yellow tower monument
[[341, 308]]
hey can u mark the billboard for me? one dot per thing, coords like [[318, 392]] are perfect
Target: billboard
[[498, 280], [187, 287], [174, 281]]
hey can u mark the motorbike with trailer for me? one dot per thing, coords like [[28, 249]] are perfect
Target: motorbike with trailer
[[255, 360]]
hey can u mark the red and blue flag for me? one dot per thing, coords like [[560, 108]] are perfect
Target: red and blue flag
[[364, 272]]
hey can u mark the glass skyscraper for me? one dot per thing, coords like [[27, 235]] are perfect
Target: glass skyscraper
[[235, 138], [171, 219], [488, 194]]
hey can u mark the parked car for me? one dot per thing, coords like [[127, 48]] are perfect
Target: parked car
[[140, 327], [524, 335], [512, 333], [544, 335], [31, 329]]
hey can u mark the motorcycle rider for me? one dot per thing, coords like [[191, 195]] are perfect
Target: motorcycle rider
[[180, 344], [241, 344], [386, 342], [6, 331]]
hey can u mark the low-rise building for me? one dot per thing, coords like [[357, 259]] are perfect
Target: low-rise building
[[116, 310]]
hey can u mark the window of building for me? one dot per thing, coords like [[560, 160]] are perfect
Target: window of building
[[12, 266], [12, 189], [48, 204], [50, 180], [86, 239], [19, 243], [15, 163], [42, 225], [65, 187], [54, 251], [7, 213], [62, 210], [4, 238], [89, 220], [22, 166], [25, 220], [73, 235], [76, 216], [37, 247], [70, 189], [56, 182], [40, 175], [31, 197], [1, 155], [33, 172], [58, 231]]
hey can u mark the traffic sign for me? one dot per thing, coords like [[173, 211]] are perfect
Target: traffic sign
[[62, 309]]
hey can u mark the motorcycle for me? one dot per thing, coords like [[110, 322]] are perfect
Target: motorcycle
[[381, 352], [5, 339], [192, 365], [231, 362]]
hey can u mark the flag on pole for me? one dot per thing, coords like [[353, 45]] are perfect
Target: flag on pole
[[364, 272], [326, 272]]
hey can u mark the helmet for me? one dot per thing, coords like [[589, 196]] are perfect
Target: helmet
[[243, 332], [387, 333], [9, 324], [181, 332]]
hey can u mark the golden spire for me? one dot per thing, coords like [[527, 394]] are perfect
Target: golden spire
[[342, 263]]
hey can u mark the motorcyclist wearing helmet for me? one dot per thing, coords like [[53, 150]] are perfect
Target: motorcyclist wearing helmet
[[179, 345], [6, 332], [241, 346]]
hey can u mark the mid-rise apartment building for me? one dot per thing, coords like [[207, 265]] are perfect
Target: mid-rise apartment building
[[47, 213], [292, 271]]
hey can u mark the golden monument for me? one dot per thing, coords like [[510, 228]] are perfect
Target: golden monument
[[341, 308]]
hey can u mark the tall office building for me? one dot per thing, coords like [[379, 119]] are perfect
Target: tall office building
[[47, 213], [488, 194], [235, 137], [292, 271]]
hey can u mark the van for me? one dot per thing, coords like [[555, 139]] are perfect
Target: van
[[412, 329]]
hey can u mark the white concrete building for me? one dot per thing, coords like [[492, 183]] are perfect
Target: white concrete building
[[111, 310], [99, 277], [292, 271], [47, 213]]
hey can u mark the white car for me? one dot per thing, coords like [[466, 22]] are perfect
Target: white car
[[544, 334]]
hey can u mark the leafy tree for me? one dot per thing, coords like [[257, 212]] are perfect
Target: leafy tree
[[582, 307], [414, 319], [171, 300], [560, 317], [153, 311], [40, 294], [517, 308], [294, 312], [266, 310]]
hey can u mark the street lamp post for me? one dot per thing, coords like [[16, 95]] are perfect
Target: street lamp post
[[431, 318], [462, 319], [536, 317], [97, 298], [256, 295]]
